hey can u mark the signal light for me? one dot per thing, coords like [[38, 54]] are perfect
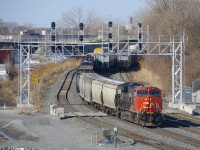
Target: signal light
[[110, 46], [53, 49], [139, 24], [53, 25], [81, 26], [140, 35], [110, 35], [53, 37], [110, 24], [80, 37], [140, 46]]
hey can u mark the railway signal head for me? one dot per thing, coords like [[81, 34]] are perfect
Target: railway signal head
[[139, 24], [80, 37], [110, 35], [53, 25], [81, 26], [53, 37], [110, 24]]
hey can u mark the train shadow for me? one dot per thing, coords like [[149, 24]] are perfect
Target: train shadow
[[175, 122]]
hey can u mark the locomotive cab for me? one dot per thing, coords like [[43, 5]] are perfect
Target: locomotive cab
[[140, 104], [148, 100], [148, 104]]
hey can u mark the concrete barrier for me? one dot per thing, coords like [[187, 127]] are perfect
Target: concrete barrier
[[24, 105], [174, 105], [52, 109], [183, 107], [56, 110], [59, 111], [187, 108]]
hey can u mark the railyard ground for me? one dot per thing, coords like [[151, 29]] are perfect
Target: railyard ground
[[33, 130], [30, 129]]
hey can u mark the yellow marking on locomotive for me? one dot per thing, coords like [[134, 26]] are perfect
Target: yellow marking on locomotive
[[98, 51]]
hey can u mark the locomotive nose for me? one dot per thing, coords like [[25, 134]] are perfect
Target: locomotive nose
[[149, 105]]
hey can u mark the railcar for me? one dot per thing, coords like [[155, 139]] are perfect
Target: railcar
[[87, 63], [134, 102], [124, 60], [103, 59]]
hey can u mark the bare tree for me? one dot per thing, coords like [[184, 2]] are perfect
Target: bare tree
[[173, 17], [11, 28], [73, 17]]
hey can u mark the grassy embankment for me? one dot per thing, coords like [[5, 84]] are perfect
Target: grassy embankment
[[48, 74], [154, 74]]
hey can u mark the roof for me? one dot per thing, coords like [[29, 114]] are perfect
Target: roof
[[102, 78]]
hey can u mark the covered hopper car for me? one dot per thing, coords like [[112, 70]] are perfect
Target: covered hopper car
[[133, 102]]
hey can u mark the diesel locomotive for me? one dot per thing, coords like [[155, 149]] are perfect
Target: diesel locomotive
[[134, 102]]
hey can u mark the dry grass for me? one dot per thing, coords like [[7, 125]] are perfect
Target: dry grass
[[146, 76], [9, 91], [154, 72], [49, 74], [9, 86]]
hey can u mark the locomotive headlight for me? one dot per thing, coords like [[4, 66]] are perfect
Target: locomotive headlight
[[145, 99], [150, 98]]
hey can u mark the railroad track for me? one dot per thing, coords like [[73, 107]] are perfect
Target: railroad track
[[62, 96], [162, 131], [128, 77], [127, 132], [121, 76], [125, 77], [171, 134], [177, 136], [183, 124], [145, 140], [177, 124], [192, 119]]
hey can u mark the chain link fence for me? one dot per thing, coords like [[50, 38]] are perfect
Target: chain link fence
[[196, 91], [187, 95]]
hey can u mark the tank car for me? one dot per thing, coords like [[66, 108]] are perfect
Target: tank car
[[133, 102]]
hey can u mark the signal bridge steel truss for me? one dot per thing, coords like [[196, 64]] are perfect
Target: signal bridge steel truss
[[24, 95], [172, 47]]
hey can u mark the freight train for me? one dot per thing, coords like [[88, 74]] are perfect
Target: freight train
[[133, 102]]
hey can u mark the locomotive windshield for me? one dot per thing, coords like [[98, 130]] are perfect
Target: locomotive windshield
[[142, 93], [155, 93], [86, 64]]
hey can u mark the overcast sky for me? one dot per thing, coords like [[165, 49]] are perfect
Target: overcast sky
[[43, 12]]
